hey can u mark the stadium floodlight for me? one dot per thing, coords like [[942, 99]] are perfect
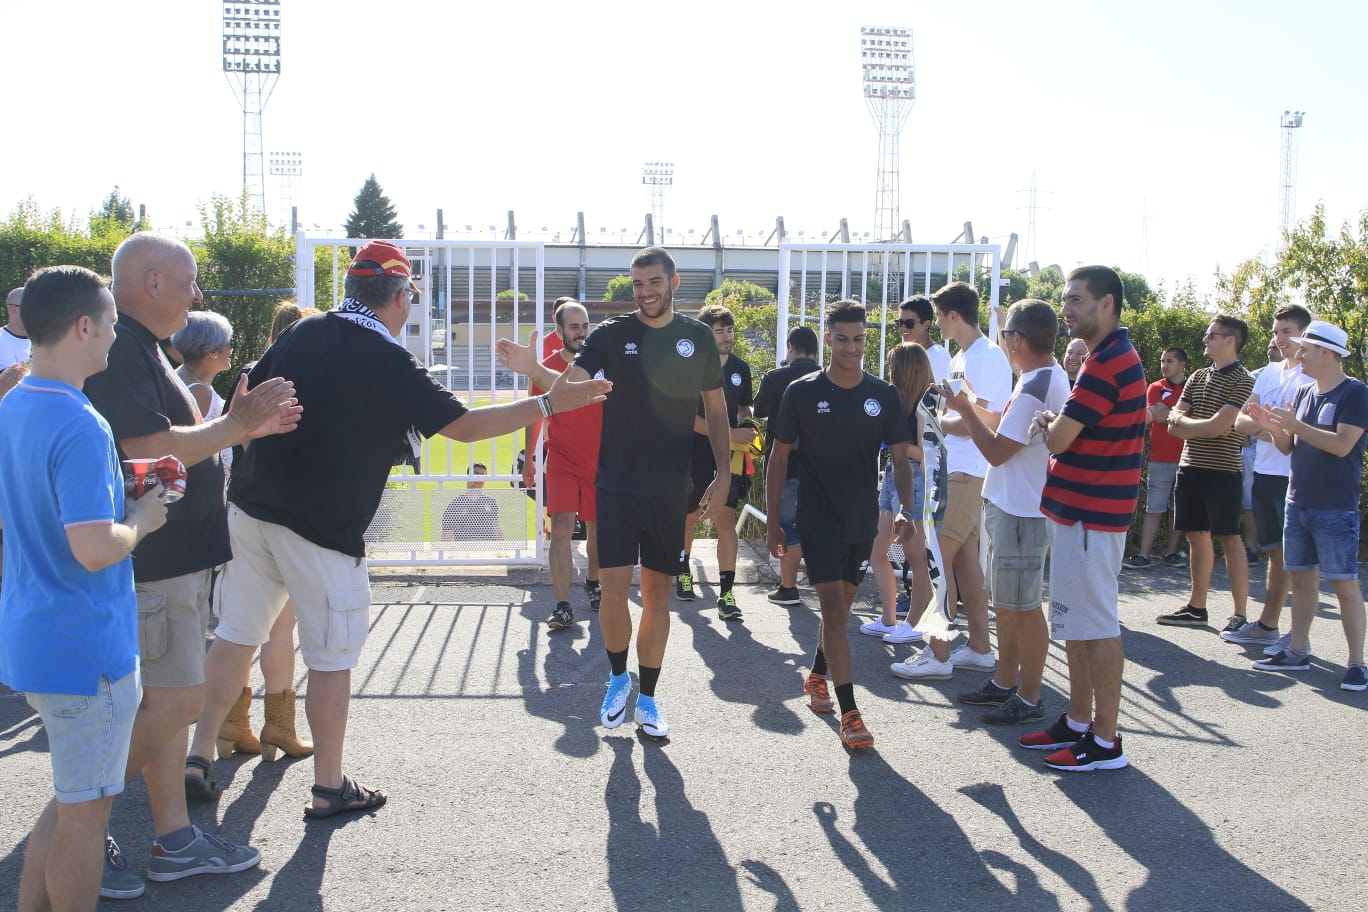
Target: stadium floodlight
[[658, 177], [251, 61], [890, 88]]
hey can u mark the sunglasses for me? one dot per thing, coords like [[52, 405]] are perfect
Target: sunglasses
[[909, 324]]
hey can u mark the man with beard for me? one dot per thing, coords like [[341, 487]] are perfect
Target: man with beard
[[736, 389], [659, 362], [572, 446]]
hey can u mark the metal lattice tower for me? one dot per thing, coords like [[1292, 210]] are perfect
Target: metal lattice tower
[[251, 62], [889, 90], [1287, 196], [289, 167], [658, 178]]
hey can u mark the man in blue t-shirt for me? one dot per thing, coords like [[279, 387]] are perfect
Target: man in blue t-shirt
[[68, 617], [1324, 433]]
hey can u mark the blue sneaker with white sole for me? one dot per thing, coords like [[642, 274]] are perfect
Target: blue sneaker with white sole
[[614, 708], [648, 717]]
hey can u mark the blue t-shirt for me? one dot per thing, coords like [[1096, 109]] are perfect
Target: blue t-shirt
[[61, 626], [1319, 480]]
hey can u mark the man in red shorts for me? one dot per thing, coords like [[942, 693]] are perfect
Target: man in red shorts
[[572, 449]]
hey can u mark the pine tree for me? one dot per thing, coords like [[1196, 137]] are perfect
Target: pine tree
[[373, 216]]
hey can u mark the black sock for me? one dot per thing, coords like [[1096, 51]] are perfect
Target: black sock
[[845, 697], [648, 678], [727, 577], [819, 663], [618, 662], [1264, 626], [562, 605], [591, 584], [683, 564]]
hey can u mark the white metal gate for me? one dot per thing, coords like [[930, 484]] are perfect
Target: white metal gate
[[435, 517], [814, 274]]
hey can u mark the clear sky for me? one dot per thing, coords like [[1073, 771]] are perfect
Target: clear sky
[[1151, 128]]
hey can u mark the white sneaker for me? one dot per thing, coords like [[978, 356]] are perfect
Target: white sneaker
[[924, 666], [964, 657], [877, 628], [902, 632]]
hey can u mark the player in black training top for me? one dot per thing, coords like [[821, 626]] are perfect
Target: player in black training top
[[736, 388], [837, 420], [660, 363]]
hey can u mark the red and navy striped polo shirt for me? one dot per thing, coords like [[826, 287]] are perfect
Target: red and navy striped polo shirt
[[1097, 480]]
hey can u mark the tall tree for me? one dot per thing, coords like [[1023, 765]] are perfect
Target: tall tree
[[115, 216], [373, 216]]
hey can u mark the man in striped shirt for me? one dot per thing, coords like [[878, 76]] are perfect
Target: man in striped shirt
[[1091, 489], [1209, 494]]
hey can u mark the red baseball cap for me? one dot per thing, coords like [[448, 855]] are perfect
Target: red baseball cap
[[379, 258]]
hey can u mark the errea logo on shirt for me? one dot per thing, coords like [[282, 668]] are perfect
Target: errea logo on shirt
[[824, 408], [685, 348], [872, 407], [629, 349]]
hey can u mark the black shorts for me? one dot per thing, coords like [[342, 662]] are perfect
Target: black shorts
[[830, 560], [632, 526], [1270, 507], [740, 487], [1206, 500]]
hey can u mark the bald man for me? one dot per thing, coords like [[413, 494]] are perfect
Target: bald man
[[1074, 354], [152, 414], [14, 345]]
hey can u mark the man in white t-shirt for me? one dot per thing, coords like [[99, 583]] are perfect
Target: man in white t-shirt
[[983, 369], [916, 317], [14, 345], [1275, 386]]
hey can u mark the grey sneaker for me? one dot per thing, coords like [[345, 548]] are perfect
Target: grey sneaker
[[207, 854], [1252, 634], [989, 694], [117, 882], [1281, 645], [1015, 711]]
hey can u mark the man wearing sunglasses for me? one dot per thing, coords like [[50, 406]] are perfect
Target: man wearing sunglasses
[[915, 320], [1209, 493]]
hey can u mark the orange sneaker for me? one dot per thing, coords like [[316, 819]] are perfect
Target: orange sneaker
[[819, 698], [853, 732]]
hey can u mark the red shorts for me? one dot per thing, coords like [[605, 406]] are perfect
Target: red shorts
[[567, 492]]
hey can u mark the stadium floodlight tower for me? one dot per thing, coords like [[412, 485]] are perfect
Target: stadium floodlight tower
[[251, 62], [1287, 196], [658, 177], [289, 167], [890, 88]]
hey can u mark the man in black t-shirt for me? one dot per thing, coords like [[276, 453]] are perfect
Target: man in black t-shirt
[[736, 389], [300, 504], [659, 363], [837, 420], [801, 360], [152, 414]]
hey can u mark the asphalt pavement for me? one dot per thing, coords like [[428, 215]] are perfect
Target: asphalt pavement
[[1245, 788]]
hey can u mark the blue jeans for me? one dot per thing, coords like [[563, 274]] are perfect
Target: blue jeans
[[788, 512], [88, 737], [888, 492], [1324, 539]]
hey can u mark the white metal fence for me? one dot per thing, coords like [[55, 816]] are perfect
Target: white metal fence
[[435, 517]]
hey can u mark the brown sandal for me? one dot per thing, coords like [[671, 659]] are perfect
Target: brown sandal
[[350, 798]]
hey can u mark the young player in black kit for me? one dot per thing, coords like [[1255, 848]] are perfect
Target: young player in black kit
[[837, 420], [660, 363]]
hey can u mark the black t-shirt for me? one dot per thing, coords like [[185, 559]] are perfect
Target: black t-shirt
[[648, 418], [839, 433], [771, 393], [361, 393], [736, 388], [139, 394]]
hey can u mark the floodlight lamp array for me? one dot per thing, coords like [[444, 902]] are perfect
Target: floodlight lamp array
[[251, 36], [657, 174]]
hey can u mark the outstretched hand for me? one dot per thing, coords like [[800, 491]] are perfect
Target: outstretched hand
[[521, 359], [269, 408], [568, 395]]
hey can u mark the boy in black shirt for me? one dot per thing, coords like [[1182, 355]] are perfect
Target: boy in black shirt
[[837, 420], [659, 363]]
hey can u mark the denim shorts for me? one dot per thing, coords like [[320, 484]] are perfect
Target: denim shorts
[[1247, 478], [1324, 539], [1270, 505], [788, 512], [888, 492], [88, 737]]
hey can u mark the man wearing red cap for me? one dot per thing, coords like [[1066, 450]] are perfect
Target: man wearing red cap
[[297, 529]]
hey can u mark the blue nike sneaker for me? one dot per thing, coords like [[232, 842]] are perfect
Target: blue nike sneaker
[[615, 700]]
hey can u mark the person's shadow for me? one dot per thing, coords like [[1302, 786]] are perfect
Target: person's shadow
[[678, 863], [573, 667]]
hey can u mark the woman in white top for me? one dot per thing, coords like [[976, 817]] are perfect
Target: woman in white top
[[206, 344]]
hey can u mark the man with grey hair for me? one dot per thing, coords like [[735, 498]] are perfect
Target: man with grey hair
[[297, 533], [152, 414]]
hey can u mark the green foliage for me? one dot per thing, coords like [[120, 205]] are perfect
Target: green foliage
[[373, 215], [31, 239], [509, 294], [733, 293], [619, 289], [239, 253], [755, 336], [1047, 285], [114, 217], [1331, 272]]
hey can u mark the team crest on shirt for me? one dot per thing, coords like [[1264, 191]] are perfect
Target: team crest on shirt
[[736, 379], [872, 407], [599, 375], [629, 349], [824, 408], [685, 348]]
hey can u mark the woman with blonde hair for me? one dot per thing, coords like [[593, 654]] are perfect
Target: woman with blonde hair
[[909, 370]]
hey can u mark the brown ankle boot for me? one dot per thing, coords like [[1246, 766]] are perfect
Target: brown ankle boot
[[278, 734], [235, 734]]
